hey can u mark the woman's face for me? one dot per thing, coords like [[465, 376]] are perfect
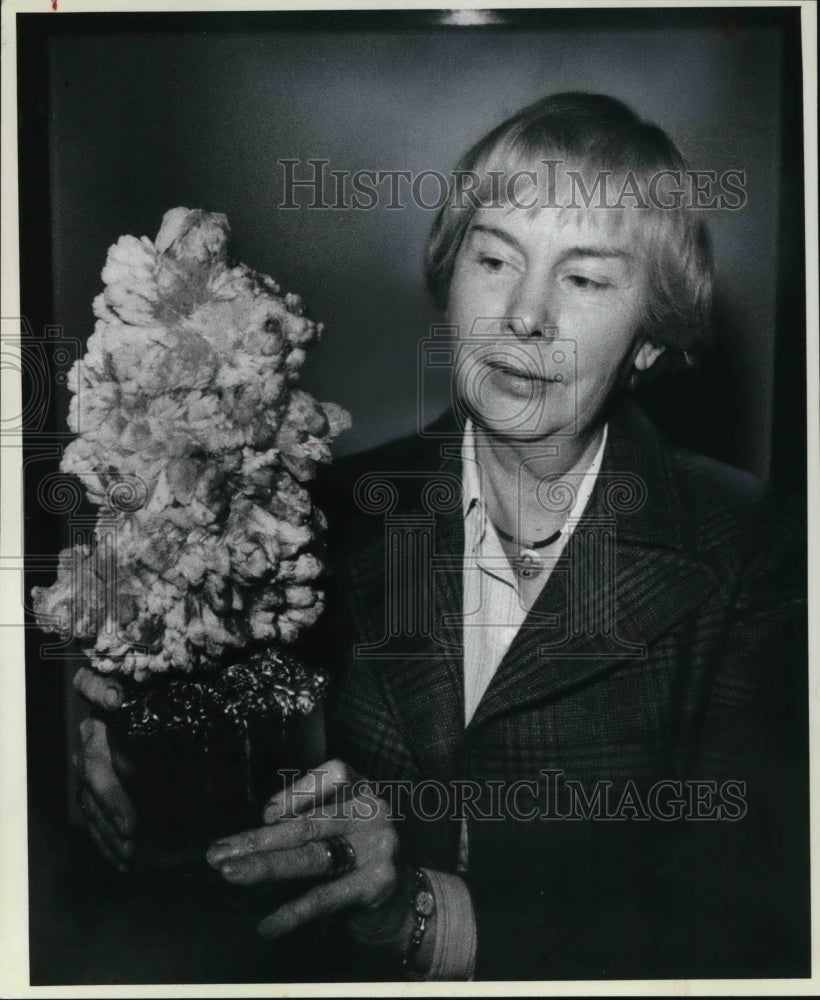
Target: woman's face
[[547, 304]]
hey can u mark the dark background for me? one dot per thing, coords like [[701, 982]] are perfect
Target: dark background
[[125, 116]]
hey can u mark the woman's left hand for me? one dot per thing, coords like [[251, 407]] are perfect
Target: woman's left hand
[[331, 801]]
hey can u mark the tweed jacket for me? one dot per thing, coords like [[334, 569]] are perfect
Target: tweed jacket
[[664, 657]]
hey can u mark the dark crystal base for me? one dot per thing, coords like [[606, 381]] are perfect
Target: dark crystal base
[[189, 791]]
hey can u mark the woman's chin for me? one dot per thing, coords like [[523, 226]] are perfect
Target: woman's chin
[[515, 425], [527, 416]]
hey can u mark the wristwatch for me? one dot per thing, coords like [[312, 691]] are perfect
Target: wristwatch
[[422, 906]]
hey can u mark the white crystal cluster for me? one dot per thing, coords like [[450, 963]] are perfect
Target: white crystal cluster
[[195, 443]]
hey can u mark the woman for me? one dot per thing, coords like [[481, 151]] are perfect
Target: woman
[[591, 669]]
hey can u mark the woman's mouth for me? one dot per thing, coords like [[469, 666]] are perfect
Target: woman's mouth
[[513, 371]]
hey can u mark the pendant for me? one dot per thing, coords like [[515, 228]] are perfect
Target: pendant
[[528, 564]]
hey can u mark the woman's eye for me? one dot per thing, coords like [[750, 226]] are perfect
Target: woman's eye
[[584, 283], [492, 264]]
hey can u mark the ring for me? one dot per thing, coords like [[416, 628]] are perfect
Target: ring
[[340, 855]]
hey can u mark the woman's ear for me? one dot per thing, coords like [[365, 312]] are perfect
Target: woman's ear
[[647, 355]]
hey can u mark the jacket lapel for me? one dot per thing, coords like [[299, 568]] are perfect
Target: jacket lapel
[[414, 572], [624, 578]]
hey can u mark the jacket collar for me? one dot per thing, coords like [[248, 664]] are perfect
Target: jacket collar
[[639, 484], [637, 481]]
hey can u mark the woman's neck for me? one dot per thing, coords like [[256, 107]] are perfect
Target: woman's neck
[[513, 471]]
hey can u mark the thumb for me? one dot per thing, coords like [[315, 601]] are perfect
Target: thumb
[[103, 692], [328, 782]]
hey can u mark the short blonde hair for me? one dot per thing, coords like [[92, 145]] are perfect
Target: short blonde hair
[[603, 135]]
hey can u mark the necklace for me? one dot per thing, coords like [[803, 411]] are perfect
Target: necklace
[[528, 563]]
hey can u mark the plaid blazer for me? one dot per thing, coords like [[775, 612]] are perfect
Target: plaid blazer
[[665, 657]]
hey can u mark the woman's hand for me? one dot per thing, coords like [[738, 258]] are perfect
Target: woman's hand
[[329, 802], [107, 809], [102, 692]]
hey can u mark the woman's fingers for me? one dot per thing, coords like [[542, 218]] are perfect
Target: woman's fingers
[[311, 860], [121, 847], [309, 854], [321, 901], [104, 692], [282, 836], [296, 844], [269, 838], [105, 850], [326, 782], [100, 779]]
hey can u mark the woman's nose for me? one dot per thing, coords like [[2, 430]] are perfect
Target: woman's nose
[[531, 315]]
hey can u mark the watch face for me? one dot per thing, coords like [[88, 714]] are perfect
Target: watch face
[[424, 903]]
